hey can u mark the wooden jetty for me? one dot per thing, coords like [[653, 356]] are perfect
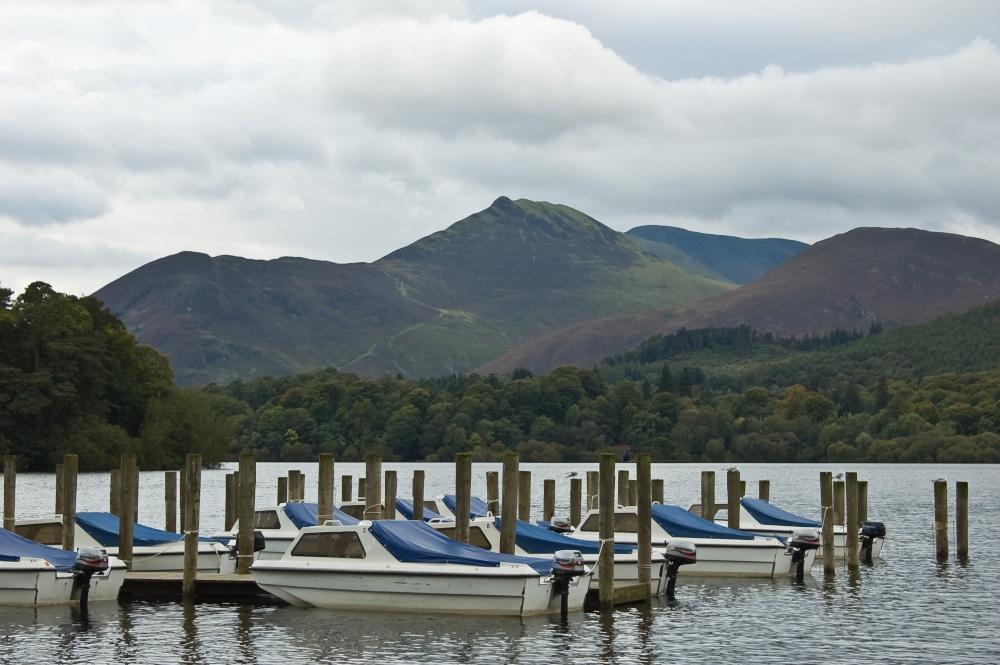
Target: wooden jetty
[[208, 587]]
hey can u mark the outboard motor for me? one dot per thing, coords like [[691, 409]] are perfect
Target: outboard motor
[[678, 553], [560, 525], [869, 532], [89, 561], [800, 543], [566, 564], [258, 544]]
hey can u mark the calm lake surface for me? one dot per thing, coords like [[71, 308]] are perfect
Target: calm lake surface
[[906, 608]]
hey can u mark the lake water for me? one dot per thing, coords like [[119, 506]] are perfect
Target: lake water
[[906, 608]]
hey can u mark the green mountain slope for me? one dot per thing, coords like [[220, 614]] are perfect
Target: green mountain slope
[[445, 304]]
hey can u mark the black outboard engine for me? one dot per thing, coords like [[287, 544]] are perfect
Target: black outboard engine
[[560, 525], [800, 543], [89, 562], [678, 553], [566, 564], [869, 532]]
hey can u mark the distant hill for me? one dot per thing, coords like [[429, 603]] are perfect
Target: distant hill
[[445, 304], [893, 276], [737, 260]]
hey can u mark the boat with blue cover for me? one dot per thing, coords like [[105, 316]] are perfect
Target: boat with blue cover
[[722, 552], [153, 550], [408, 566], [34, 574]]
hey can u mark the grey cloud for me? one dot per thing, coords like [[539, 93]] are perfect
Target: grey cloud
[[50, 196]]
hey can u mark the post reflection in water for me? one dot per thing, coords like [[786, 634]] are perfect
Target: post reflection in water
[[190, 651]]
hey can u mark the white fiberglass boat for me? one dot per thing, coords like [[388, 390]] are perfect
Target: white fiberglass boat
[[722, 552], [761, 517], [153, 550], [407, 566], [35, 574]]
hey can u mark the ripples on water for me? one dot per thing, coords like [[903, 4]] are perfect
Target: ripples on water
[[904, 609]]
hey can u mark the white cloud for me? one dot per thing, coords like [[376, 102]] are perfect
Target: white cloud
[[345, 130]]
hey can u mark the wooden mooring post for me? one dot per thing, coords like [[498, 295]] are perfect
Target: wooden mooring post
[[941, 518], [826, 505], [708, 495], [851, 517], [508, 521], [389, 505], [282, 490], [623, 487], [170, 501], [524, 496], [373, 486], [346, 488], [232, 495], [193, 507], [325, 489], [463, 495], [606, 561], [493, 492], [644, 509], [247, 504], [71, 465], [575, 500], [657, 490], [862, 501], [593, 489], [548, 498], [9, 491], [764, 489], [839, 492], [115, 492], [126, 521], [418, 495], [962, 519], [60, 485], [733, 496]]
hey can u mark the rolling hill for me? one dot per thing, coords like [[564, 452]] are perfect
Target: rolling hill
[[893, 276]]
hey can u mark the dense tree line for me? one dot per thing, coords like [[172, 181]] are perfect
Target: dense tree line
[[73, 380]]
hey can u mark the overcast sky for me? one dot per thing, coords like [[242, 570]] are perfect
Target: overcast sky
[[341, 131]]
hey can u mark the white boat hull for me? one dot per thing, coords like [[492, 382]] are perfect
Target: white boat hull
[[32, 582], [402, 588]]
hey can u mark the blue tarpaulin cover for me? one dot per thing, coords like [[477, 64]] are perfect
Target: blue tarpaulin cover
[[303, 514], [535, 539], [477, 507], [680, 523], [766, 514], [13, 547], [405, 508], [416, 542], [103, 527]]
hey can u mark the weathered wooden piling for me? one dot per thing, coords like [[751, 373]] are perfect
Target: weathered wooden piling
[[493, 492], [657, 490], [325, 489], [623, 487], [60, 485], [862, 501], [606, 560], [418, 495], [962, 519], [346, 488], [633, 492], [126, 521], [764, 489], [247, 504], [170, 501], [851, 517], [373, 486], [282, 490], [733, 496], [71, 465], [524, 496], [575, 500], [463, 495], [389, 504], [839, 490], [644, 509], [508, 521], [193, 520], [115, 492], [183, 481], [941, 517], [232, 494], [362, 485], [593, 489], [826, 505], [9, 491], [708, 495], [296, 485], [548, 498]]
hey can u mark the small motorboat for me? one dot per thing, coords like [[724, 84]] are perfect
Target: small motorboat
[[35, 574], [761, 517], [535, 540], [722, 552], [408, 566], [153, 550]]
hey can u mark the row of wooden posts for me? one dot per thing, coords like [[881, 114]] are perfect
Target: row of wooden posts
[[843, 502]]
